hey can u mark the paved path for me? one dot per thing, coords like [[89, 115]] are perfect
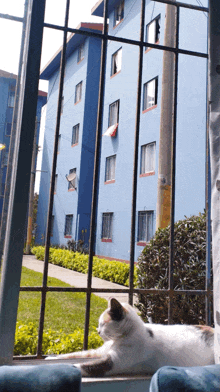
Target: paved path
[[74, 278]]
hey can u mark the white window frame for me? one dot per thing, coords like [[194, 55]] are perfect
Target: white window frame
[[75, 135], [148, 157], [113, 113], [145, 226], [110, 168], [107, 226], [153, 31], [116, 62], [150, 94], [78, 92], [68, 225], [11, 99], [119, 13]]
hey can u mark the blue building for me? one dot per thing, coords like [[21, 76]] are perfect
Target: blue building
[[116, 164], [7, 100], [75, 161]]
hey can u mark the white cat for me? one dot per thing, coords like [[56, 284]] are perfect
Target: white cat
[[133, 347]]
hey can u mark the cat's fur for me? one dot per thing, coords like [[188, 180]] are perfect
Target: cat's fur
[[133, 347]]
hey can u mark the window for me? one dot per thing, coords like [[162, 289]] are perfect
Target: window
[[78, 92], [116, 62], [75, 135], [113, 113], [153, 31], [107, 221], [8, 129], [81, 52], [55, 183], [110, 169], [68, 225], [148, 159], [11, 99], [119, 13], [72, 179], [150, 94], [145, 226]]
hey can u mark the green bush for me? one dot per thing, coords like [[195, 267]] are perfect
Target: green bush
[[113, 271], [53, 342], [189, 272]]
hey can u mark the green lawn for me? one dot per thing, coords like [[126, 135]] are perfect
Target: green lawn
[[64, 311]]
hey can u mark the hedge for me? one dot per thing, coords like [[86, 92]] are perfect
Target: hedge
[[189, 272], [53, 342], [113, 271]]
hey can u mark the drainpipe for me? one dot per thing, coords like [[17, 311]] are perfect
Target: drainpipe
[[166, 119]]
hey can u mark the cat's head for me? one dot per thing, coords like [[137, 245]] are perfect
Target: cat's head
[[119, 320]]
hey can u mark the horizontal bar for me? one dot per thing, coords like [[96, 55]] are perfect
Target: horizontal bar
[[126, 291], [184, 5], [127, 41], [11, 17]]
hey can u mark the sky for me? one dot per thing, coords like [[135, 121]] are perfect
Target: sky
[[80, 11]]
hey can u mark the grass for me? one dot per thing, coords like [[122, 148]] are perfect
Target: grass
[[64, 311]]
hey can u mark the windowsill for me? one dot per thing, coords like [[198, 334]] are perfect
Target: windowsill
[[73, 145], [71, 190], [147, 174], [116, 73], [141, 243], [151, 108], [118, 23], [77, 102], [109, 182], [78, 62], [67, 236], [148, 49], [106, 240]]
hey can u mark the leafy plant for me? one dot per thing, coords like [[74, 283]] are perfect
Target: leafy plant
[[189, 272], [113, 271]]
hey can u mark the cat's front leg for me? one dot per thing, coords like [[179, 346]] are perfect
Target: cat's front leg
[[97, 368]]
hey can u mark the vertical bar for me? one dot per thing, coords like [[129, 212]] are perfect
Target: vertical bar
[[173, 160], [96, 170], [12, 139], [135, 165], [52, 184], [14, 241]]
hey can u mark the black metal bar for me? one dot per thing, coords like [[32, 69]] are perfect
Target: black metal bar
[[11, 17], [127, 41], [135, 164], [173, 180], [92, 236], [100, 290], [52, 184], [183, 5], [14, 240]]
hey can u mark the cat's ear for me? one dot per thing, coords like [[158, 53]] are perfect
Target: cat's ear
[[116, 310]]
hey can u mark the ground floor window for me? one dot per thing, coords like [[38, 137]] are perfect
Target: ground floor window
[[68, 225], [107, 223], [145, 226]]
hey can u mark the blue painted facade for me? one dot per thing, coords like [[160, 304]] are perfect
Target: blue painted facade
[[7, 93], [80, 155], [115, 196]]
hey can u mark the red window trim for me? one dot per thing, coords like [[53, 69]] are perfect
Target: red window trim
[[141, 243], [116, 73], [148, 49], [118, 24], [71, 189], [109, 182], [147, 110], [78, 62], [73, 145], [67, 236], [147, 174], [77, 102], [106, 240]]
